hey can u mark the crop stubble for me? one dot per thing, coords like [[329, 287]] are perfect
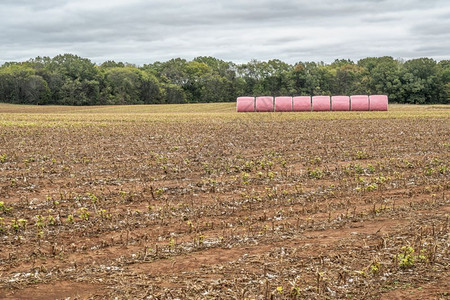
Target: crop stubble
[[142, 202]]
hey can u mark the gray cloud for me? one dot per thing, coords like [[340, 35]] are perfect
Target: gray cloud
[[140, 31]]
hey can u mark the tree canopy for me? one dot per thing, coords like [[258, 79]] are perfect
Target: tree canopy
[[72, 80]]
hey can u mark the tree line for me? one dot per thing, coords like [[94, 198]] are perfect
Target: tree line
[[72, 80]]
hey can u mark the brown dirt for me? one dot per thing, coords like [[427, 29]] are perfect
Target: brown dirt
[[54, 290]]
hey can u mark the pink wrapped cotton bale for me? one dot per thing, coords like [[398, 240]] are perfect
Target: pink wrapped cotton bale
[[245, 104], [321, 103], [340, 103], [378, 102], [301, 103], [264, 104], [359, 103], [283, 104]]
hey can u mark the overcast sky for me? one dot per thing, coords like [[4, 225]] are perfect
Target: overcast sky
[[139, 31]]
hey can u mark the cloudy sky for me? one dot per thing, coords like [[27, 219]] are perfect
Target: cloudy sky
[[145, 31]]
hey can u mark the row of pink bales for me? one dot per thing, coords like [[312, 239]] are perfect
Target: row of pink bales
[[315, 103]]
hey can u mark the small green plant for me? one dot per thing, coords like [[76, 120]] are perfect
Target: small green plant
[[22, 223], [55, 202], [213, 184], [201, 239], [84, 214], [375, 267], [317, 160], [381, 179], [94, 199], [14, 225], [39, 222], [70, 219], [371, 187], [122, 194], [2, 158], [423, 256], [359, 169], [361, 155], [262, 164], [429, 171], [406, 258], [295, 291], [315, 174], [189, 223], [248, 166], [172, 244], [279, 289], [51, 220], [408, 164], [207, 168], [159, 192], [245, 178], [104, 215], [5, 209]]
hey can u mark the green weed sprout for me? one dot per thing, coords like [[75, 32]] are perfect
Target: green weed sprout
[[406, 259], [84, 214]]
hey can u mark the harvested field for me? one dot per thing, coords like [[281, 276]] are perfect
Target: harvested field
[[198, 201]]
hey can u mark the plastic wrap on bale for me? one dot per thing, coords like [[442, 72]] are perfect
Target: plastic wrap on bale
[[359, 103], [283, 103], [340, 103], [245, 104], [378, 103], [264, 104], [301, 103], [321, 103]]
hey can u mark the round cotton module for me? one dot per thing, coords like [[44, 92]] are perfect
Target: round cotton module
[[245, 104], [378, 102], [264, 104], [340, 103], [283, 103], [301, 103], [321, 103], [359, 103]]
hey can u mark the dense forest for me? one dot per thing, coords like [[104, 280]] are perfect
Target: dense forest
[[72, 80]]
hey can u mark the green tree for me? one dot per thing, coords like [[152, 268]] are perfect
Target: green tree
[[444, 65], [35, 90], [383, 76], [215, 88], [422, 81], [20, 84], [150, 88], [123, 86], [348, 78], [173, 93]]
